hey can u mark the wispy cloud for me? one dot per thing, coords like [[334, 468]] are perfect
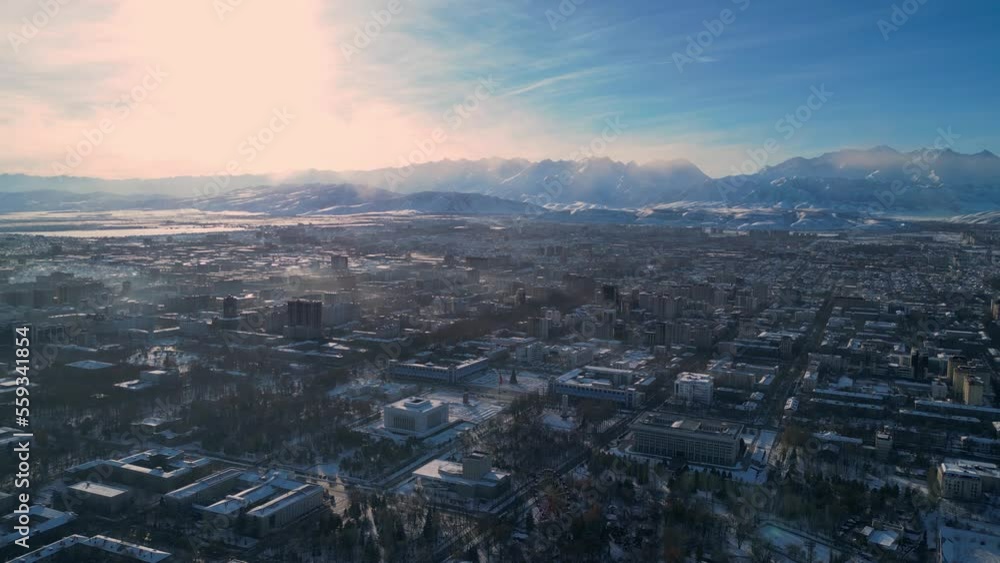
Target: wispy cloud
[[555, 86]]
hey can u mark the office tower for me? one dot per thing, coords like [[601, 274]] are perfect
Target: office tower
[[305, 319], [230, 307]]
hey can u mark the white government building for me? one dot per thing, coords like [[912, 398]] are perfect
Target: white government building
[[415, 416]]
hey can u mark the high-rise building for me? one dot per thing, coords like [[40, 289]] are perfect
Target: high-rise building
[[883, 442], [694, 388], [304, 319], [953, 363], [610, 293], [230, 307], [305, 313], [701, 337], [540, 327], [972, 392], [918, 364], [785, 346]]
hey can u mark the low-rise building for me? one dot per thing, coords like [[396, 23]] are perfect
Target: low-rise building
[[285, 509], [203, 489], [693, 440], [978, 542], [97, 548], [449, 372], [474, 477], [604, 384], [415, 416], [105, 499], [157, 470]]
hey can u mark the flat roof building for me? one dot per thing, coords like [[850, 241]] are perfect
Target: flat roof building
[[270, 501], [108, 500], [449, 372], [415, 416], [285, 509], [203, 489], [157, 470], [43, 521], [693, 440], [474, 477], [967, 480], [603, 384], [97, 548], [694, 388]]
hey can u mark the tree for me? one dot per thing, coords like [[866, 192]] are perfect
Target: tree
[[810, 551], [760, 551], [430, 527], [743, 530]]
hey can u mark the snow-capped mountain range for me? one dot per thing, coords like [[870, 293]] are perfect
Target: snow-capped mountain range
[[873, 182]]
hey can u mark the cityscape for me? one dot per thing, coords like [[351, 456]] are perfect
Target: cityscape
[[454, 335]]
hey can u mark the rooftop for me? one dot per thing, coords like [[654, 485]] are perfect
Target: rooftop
[[99, 489], [701, 426], [451, 472]]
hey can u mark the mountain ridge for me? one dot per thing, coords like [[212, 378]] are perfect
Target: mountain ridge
[[876, 180]]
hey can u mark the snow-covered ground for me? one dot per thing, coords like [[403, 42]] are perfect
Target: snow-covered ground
[[782, 539], [556, 422], [527, 382], [478, 410]]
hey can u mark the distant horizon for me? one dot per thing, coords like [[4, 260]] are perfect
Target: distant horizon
[[645, 162]]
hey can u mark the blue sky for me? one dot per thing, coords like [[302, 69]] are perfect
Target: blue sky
[[364, 99]]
